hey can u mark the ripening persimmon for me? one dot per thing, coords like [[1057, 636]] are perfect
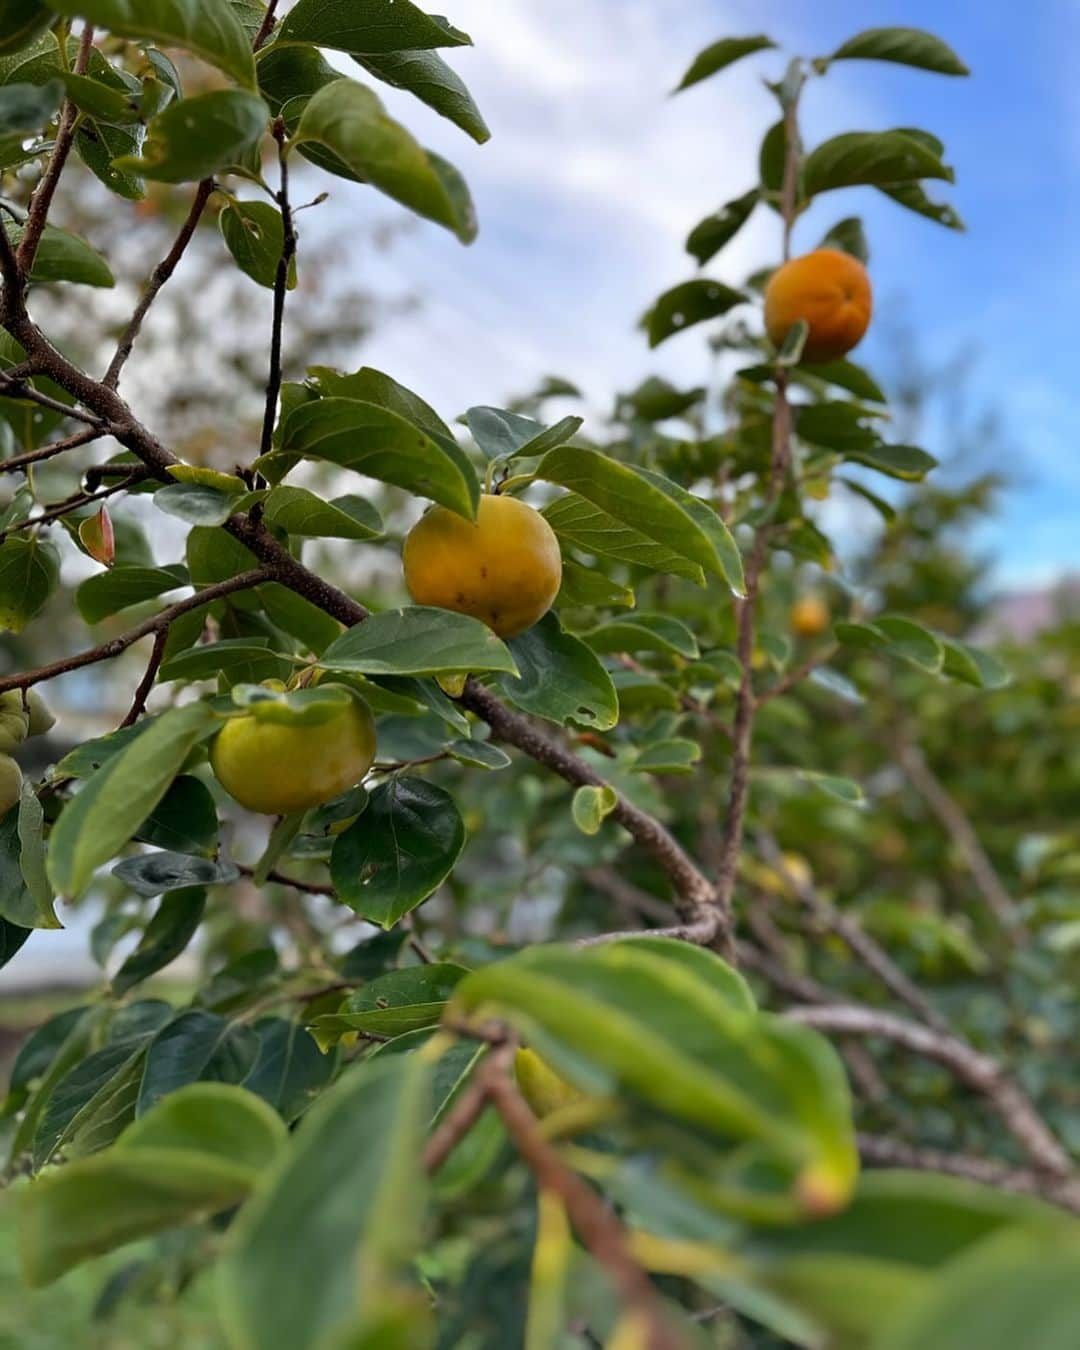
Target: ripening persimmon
[[831, 291], [277, 768], [503, 568], [809, 616]]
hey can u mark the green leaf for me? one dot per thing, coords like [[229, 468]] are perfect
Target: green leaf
[[727, 558], [480, 754], [898, 637], [720, 55], [418, 640], [640, 692], [671, 756], [167, 935], [589, 587], [104, 102], [114, 802], [501, 434], [426, 74], [584, 525], [30, 826], [255, 235], [399, 852], [394, 1003], [849, 236], [196, 1045], [369, 385], [333, 1223], [652, 1026], [641, 632], [648, 503], [196, 138], [710, 235], [847, 375], [21, 21], [561, 679], [298, 511], [24, 111], [906, 462], [196, 503], [376, 26], [29, 573], [107, 593], [240, 660], [591, 806], [836, 426], [656, 399], [690, 303], [972, 665], [913, 197], [906, 46], [153, 874], [381, 443], [349, 120], [874, 158], [290, 1070], [12, 937], [216, 1120], [208, 28]]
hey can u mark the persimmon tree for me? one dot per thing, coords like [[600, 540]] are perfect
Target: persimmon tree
[[645, 1130]]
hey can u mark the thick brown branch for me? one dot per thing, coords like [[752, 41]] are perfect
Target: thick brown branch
[[962, 833], [40, 203], [160, 275], [977, 1071], [113, 648]]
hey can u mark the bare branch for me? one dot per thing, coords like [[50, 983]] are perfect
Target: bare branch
[[113, 648], [795, 677], [60, 509], [160, 275], [883, 1152], [17, 462], [10, 388], [962, 833], [977, 1071], [40, 203], [281, 287], [267, 25], [146, 684]]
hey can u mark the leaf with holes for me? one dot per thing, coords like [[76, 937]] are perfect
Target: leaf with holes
[[561, 679], [684, 306]]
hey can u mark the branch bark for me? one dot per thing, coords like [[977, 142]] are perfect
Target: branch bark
[[281, 287]]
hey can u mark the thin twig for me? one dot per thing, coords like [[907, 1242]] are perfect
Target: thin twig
[[23, 461], [281, 287], [962, 833], [977, 1071], [795, 677], [60, 509], [466, 1111], [160, 275], [40, 203], [142, 693], [309, 887], [113, 648], [10, 388], [266, 27]]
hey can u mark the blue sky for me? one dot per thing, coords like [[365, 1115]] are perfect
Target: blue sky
[[593, 178]]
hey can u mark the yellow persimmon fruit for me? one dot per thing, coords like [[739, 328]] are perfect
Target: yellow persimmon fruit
[[809, 616], [278, 768], [504, 568], [831, 291], [541, 1086], [10, 783]]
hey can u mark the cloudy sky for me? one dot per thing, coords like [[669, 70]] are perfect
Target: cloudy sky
[[593, 177]]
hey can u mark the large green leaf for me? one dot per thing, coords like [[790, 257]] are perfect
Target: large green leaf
[[426, 74], [298, 511], [24, 111], [710, 235], [905, 46], [582, 524], [646, 502], [645, 1023], [255, 236], [62, 256], [367, 27], [722, 54], [166, 935], [114, 801], [29, 573], [913, 197], [109, 592], [687, 304], [905, 462], [21, 21], [198, 137], [874, 158], [394, 1003], [384, 444], [560, 678], [418, 640], [640, 632], [195, 1046], [290, 1070], [208, 28], [399, 852], [334, 1222], [349, 120]]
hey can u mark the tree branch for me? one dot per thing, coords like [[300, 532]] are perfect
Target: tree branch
[[795, 677], [146, 684], [10, 388], [962, 833], [267, 25], [60, 509], [40, 203], [281, 287], [977, 1071], [23, 461], [160, 275], [113, 648]]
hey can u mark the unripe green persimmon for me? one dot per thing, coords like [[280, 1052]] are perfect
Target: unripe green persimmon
[[541, 1086], [14, 721], [10, 783], [41, 716], [278, 768]]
